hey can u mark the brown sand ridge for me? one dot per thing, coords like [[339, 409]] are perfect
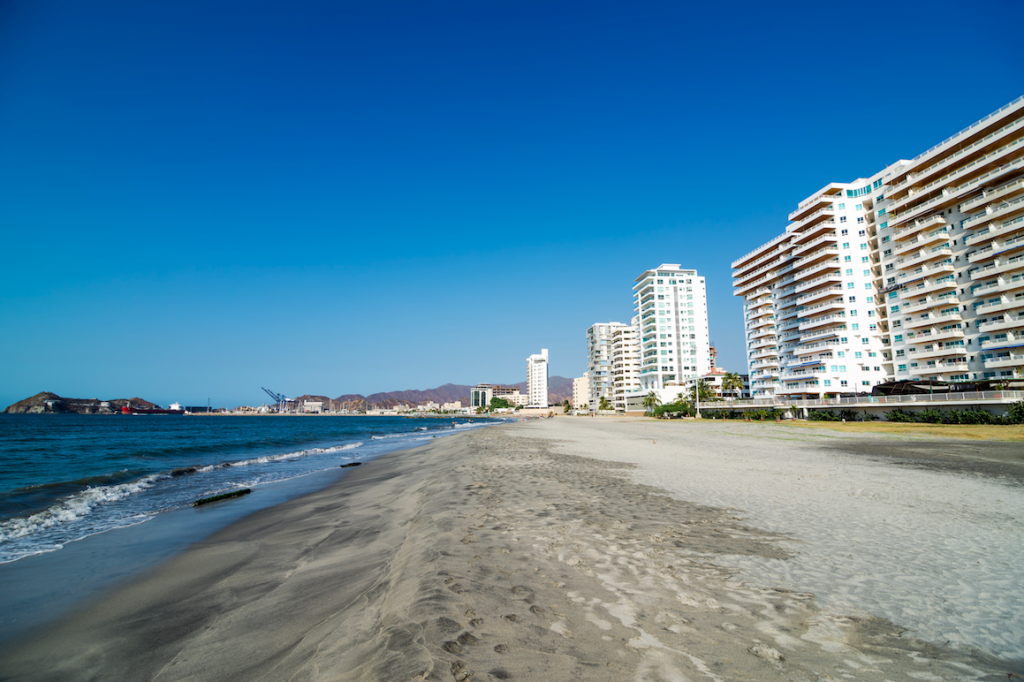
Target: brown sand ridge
[[479, 557]]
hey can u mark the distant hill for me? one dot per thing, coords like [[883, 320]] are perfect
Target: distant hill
[[51, 403]]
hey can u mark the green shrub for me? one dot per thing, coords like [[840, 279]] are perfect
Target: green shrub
[[1016, 413], [899, 415], [930, 416], [819, 416]]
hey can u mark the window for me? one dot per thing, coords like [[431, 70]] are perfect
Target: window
[[828, 382], [871, 313], [835, 369], [873, 327], [846, 245], [860, 220], [853, 299], [861, 233], [860, 207], [868, 286], [846, 259], [903, 368], [855, 326], [845, 232], [842, 206], [865, 341], [841, 353], [842, 219], [870, 299], [849, 272], [842, 383], [864, 259], [863, 247]]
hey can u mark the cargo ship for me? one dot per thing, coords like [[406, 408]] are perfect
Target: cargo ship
[[175, 408]]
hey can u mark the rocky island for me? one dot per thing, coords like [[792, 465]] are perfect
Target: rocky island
[[51, 403]]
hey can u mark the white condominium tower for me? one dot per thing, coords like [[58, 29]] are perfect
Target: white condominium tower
[[537, 378], [599, 361], [672, 310], [916, 272]]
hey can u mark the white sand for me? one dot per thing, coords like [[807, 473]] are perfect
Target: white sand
[[941, 554]]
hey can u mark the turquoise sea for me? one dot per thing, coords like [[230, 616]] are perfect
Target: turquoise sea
[[90, 501]]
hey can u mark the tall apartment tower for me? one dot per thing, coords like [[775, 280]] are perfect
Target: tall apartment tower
[[916, 272], [600, 362], [537, 378], [672, 311], [950, 240], [625, 350]]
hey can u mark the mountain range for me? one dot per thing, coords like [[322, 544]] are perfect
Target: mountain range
[[559, 389]]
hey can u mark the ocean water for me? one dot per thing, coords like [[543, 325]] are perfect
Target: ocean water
[[68, 477]]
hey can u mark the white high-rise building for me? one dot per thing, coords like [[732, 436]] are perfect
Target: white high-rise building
[[625, 364], [916, 272], [581, 392], [600, 362], [672, 312], [537, 378]]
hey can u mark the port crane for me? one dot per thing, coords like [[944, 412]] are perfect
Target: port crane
[[278, 398]]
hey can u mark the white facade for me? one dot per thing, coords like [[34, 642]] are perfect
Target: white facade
[[537, 378], [672, 311], [581, 392], [916, 272]]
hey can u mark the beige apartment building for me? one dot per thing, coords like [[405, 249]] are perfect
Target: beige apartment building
[[912, 273], [625, 372]]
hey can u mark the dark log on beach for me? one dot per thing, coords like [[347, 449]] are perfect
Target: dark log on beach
[[225, 496], [350, 464]]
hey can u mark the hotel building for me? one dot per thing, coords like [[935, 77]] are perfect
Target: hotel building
[[537, 379], [916, 272], [672, 313]]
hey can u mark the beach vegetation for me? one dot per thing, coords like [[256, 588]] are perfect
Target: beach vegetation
[[604, 404], [822, 416], [499, 403], [651, 402]]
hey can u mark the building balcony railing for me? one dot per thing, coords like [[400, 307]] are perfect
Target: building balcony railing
[[988, 196], [1005, 322]]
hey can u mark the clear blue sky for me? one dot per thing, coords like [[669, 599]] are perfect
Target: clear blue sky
[[201, 198]]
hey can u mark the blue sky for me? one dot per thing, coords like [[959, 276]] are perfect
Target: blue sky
[[201, 198]]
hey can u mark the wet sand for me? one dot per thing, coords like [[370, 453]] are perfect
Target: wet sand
[[558, 549]]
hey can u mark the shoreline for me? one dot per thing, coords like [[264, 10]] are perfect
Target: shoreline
[[500, 554]]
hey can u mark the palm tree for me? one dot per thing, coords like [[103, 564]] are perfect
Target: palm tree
[[732, 382], [702, 391], [566, 406], [605, 405], [651, 401]]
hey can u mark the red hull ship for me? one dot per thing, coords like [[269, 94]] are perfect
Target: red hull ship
[[174, 409]]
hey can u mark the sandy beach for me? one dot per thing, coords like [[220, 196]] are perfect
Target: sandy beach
[[593, 549]]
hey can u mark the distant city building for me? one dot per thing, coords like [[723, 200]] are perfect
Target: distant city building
[[581, 392], [451, 407], [480, 395], [537, 378], [672, 313]]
